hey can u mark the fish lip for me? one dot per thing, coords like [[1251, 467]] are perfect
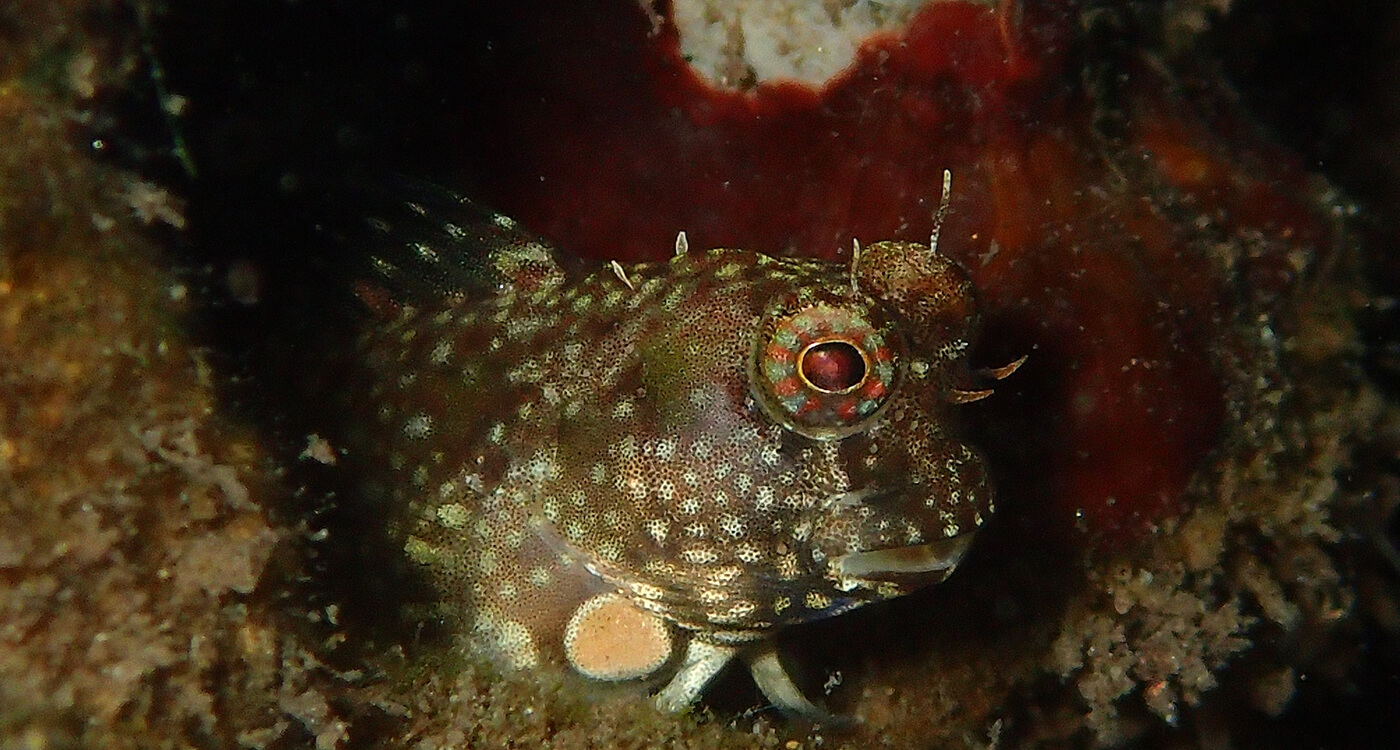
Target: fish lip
[[891, 563], [860, 496]]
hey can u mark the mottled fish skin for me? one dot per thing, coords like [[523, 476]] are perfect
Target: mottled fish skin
[[719, 437]]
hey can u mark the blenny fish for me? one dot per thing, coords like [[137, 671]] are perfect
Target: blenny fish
[[644, 471]]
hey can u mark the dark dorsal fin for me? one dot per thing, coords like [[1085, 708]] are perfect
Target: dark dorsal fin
[[419, 240]]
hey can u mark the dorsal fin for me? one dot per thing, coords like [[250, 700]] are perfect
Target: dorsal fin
[[416, 238]]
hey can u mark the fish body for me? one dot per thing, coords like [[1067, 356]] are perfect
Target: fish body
[[646, 470]]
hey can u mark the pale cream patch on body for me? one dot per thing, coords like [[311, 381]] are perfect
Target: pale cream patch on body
[[610, 638]]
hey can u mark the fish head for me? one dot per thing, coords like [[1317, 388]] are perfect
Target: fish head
[[868, 373], [787, 450]]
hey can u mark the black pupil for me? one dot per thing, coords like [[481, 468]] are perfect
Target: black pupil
[[833, 366]]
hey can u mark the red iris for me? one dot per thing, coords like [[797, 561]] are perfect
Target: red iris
[[833, 366]]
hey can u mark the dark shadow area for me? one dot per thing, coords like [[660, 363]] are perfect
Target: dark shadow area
[[1321, 78], [266, 117]]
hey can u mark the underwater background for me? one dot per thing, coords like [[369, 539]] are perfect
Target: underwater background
[[1183, 213]]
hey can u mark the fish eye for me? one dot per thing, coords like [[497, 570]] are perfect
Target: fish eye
[[832, 366], [825, 371]]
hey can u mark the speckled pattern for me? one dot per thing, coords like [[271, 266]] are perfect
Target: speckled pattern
[[734, 442]]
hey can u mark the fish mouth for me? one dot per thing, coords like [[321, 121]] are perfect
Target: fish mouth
[[895, 563]]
